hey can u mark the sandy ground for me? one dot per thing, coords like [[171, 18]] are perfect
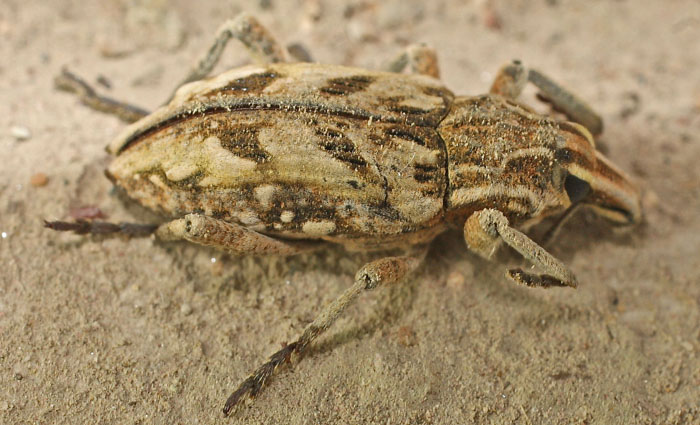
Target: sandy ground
[[118, 331]]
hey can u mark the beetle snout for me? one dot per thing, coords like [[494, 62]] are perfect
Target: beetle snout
[[605, 188], [595, 181], [613, 195]]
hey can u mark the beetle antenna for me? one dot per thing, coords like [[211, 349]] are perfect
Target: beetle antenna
[[553, 231]]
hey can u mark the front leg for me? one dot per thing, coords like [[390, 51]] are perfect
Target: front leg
[[374, 274], [511, 80], [483, 231]]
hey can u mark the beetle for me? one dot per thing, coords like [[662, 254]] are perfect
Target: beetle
[[282, 158]]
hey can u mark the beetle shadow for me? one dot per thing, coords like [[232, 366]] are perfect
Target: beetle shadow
[[579, 234], [585, 230]]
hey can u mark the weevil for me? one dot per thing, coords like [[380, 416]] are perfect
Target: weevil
[[282, 158]]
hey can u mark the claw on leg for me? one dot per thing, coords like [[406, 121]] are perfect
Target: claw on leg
[[534, 280], [255, 382]]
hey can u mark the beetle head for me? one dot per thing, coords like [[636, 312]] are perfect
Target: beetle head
[[591, 179]]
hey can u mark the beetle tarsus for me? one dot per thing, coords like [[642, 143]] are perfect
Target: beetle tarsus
[[85, 227], [533, 280], [67, 81], [255, 382]]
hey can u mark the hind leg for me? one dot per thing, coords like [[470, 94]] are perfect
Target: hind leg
[[259, 42]]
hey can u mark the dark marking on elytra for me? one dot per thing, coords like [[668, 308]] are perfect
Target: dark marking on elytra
[[409, 110], [386, 211], [347, 85], [354, 184], [241, 140], [340, 147], [253, 84]]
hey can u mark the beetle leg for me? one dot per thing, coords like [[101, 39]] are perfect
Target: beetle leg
[[483, 231], [420, 58], [70, 82], [85, 227], [511, 79], [553, 232], [377, 273], [231, 237], [565, 101], [261, 45]]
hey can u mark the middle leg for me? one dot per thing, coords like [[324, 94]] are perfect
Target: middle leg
[[261, 45], [196, 228]]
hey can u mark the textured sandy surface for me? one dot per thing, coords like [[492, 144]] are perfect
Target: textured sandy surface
[[118, 331]]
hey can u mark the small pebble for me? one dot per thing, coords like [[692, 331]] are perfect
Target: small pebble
[[20, 133], [38, 180], [186, 309]]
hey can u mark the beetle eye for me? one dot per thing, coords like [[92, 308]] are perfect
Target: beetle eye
[[576, 188]]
